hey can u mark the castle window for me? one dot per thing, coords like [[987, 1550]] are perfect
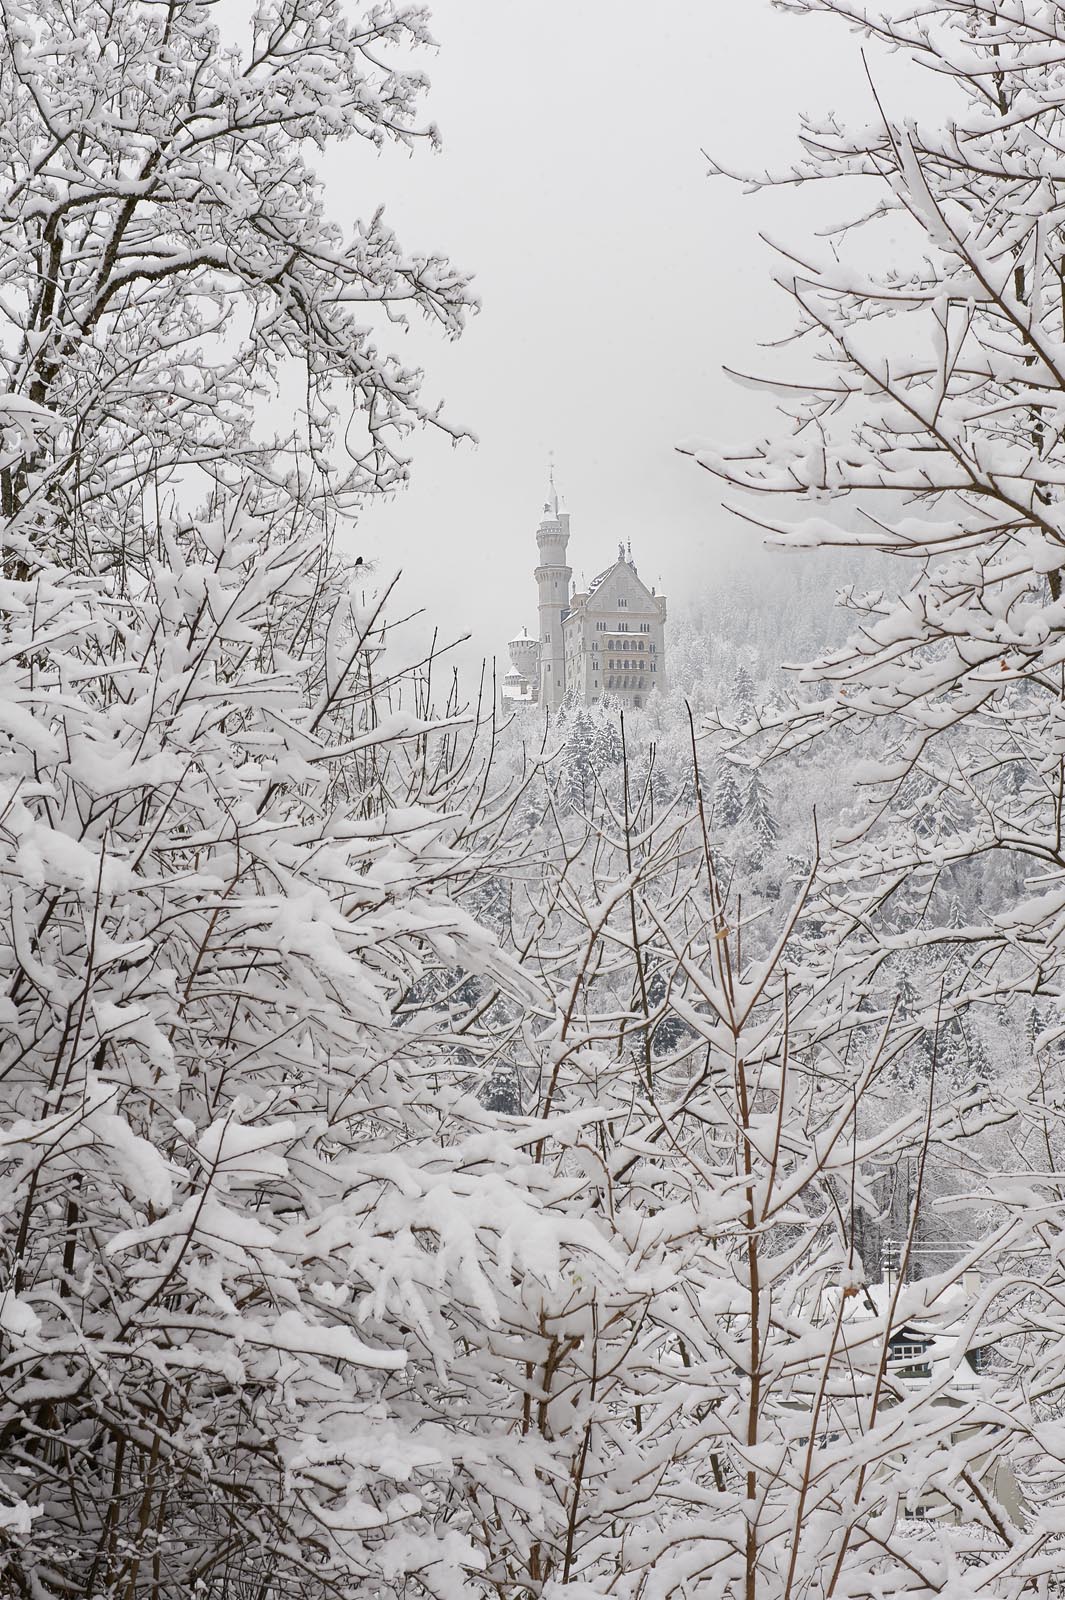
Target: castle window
[[622, 603], [623, 627], [645, 627], [653, 648]]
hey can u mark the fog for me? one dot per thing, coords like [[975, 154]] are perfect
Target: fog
[[616, 280]]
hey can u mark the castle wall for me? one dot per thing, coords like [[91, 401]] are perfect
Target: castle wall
[[616, 639]]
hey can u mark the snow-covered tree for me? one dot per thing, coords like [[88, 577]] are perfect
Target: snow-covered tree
[[166, 258], [728, 1415], [756, 819], [255, 1220], [936, 319], [741, 694], [932, 409], [239, 1215], [728, 800]]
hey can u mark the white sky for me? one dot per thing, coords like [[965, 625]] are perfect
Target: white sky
[[616, 279]]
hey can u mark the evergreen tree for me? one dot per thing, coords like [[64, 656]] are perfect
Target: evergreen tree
[[605, 751], [741, 695], [1034, 1026], [757, 818], [728, 802], [575, 776]]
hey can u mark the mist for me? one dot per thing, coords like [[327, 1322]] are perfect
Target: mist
[[616, 281]]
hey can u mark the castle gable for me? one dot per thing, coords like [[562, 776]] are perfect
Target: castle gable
[[619, 582]]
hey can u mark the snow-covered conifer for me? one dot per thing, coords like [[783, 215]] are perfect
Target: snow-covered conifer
[[757, 819], [728, 800], [741, 694]]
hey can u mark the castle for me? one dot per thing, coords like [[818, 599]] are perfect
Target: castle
[[607, 642]]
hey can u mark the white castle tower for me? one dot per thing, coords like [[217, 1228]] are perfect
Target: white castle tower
[[553, 582]]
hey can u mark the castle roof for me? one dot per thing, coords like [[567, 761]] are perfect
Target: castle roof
[[622, 564], [621, 561]]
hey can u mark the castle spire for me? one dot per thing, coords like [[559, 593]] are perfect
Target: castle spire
[[553, 576], [551, 503]]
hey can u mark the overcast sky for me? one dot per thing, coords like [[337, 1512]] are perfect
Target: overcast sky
[[615, 278]]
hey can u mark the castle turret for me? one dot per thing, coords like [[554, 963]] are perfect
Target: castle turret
[[553, 582], [523, 680], [525, 657]]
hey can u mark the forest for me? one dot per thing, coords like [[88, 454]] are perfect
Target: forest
[[451, 1155]]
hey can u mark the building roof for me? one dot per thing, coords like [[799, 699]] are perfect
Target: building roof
[[601, 578]]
